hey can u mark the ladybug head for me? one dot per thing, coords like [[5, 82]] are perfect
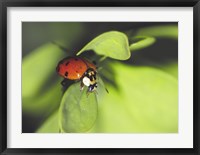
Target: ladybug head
[[89, 80]]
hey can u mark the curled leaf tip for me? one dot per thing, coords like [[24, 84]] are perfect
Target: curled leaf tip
[[113, 44]]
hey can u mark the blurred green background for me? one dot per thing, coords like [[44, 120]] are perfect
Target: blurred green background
[[143, 90]]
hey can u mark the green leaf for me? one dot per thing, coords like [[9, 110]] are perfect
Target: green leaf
[[144, 101], [50, 125], [41, 89], [111, 44], [142, 43], [38, 67], [45, 103], [169, 31], [77, 111]]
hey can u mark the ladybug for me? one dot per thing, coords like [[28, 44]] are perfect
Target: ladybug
[[79, 69]]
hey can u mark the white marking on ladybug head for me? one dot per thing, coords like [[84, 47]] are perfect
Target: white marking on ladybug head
[[86, 81]]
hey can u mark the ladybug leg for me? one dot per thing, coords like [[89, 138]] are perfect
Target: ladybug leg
[[82, 85], [88, 92], [64, 82]]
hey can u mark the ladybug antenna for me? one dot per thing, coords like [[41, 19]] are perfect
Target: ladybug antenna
[[106, 90]]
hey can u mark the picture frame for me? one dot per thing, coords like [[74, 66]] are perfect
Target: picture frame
[[4, 5]]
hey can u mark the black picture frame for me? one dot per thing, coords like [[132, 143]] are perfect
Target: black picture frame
[[4, 4]]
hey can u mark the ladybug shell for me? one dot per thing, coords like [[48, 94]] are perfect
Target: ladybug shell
[[73, 68]]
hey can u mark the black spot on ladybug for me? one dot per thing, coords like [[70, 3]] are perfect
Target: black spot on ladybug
[[75, 59], [66, 63], [66, 74]]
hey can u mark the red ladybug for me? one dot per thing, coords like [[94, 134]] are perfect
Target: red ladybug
[[76, 68]]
